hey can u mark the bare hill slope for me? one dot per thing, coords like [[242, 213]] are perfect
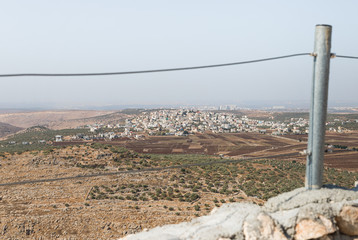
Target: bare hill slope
[[49, 118], [7, 129]]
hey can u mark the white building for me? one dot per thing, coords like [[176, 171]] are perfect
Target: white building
[[58, 138]]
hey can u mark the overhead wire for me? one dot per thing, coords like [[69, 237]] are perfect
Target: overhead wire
[[341, 56], [149, 71]]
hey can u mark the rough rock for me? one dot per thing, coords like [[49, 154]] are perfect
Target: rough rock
[[347, 220], [286, 219], [326, 214], [223, 222], [317, 228], [262, 226], [300, 197]]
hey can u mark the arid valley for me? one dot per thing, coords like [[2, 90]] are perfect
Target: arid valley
[[89, 185]]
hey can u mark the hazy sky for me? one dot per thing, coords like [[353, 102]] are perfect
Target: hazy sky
[[71, 36]]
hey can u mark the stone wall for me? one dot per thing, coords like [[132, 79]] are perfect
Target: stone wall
[[328, 213]]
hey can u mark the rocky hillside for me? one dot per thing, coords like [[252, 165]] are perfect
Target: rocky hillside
[[7, 129], [299, 214]]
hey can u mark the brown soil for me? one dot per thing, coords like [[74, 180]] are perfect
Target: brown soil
[[52, 119], [63, 209], [246, 145]]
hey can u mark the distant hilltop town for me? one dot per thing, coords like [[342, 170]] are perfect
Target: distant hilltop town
[[140, 124], [187, 121]]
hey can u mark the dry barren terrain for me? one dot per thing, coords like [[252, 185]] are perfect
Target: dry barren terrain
[[103, 207], [57, 119], [143, 192], [107, 189]]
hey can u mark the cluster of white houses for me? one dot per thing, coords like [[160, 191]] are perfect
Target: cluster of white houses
[[181, 122]]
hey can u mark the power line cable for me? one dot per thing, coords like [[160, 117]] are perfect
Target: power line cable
[[148, 71], [341, 56]]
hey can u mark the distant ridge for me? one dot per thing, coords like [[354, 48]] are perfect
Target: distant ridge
[[8, 129]]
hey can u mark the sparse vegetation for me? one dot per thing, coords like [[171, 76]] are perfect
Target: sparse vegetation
[[259, 178], [29, 139], [178, 193]]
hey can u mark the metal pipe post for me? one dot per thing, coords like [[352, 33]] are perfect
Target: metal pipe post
[[318, 113]]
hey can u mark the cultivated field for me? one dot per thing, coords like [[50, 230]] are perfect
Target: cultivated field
[[240, 145], [339, 158], [230, 144]]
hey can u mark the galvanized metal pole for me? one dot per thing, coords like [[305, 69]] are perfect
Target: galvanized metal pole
[[318, 113]]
